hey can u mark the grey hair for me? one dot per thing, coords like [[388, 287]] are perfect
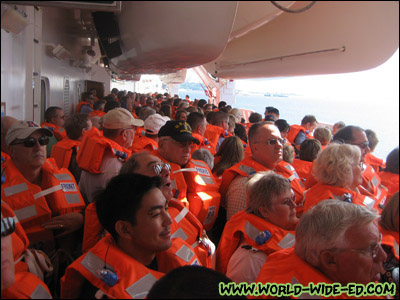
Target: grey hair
[[334, 165], [324, 227], [204, 155], [262, 189]]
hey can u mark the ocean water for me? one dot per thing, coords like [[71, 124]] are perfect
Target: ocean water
[[381, 118]]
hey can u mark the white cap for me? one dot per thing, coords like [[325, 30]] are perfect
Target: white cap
[[119, 118], [153, 123]]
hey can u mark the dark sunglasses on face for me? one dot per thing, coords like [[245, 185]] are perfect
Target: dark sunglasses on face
[[30, 142]]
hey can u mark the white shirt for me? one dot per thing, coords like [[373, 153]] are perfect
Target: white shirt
[[245, 265], [91, 183]]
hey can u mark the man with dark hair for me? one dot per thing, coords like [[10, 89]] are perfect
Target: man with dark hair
[[221, 104], [266, 147], [54, 120], [198, 123], [299, 133], [138, 248], [217, 130], [201, 103], [255, 118], [371, 184], [86, 103], [64, 152]]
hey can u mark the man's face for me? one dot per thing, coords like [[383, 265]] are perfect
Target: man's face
[[147, 162], [152, 233], [359, 266], [360, 139], [263, 151], [174, 151], [29, 157], [59, 119]]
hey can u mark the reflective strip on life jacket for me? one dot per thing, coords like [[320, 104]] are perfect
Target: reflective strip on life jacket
[[15, 189], [141, 288], [40, 293], [180, 233], [369, 202], [396, 248], [251, 231], [181, 215], [26, 212], [63, 176], [288, 241], [185, 253], [47, 191], [94, 264], [246, 169]]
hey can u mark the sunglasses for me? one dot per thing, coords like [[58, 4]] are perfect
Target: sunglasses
[[362, 145], [30, 142], [272, 142], [159, 167], [8, 226]]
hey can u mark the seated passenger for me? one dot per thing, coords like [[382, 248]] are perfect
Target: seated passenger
[[17, 284], [64, 152], [87, 99], [267, 225], [101, 156], [389, 227], [390, 174], [371, 182], [54, 120], [299, 133], [6, 123], [198, 123], [337, 171], [217, 130], [377, 163], [149, 141], [309, 150], [266, 147], [204, 155], [335, 242], [323, 135], [195, 184], [138, 249], [43, 197]]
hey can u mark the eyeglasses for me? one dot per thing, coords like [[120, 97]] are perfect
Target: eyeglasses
[[363, 145], [290, 201], [272, 142], [159, 167], [373, 251], [8, 226], [30, 142]]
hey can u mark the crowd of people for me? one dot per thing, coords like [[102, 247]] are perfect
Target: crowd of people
[[137, 196]]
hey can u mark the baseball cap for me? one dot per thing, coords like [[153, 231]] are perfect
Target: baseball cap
[[153, 123], [119, 118], [22, 129], [179, 130]]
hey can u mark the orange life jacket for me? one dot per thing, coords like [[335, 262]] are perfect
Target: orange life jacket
[[80, 104], [321, 192], [303, 168], [59, 132], [144, 143], [4, 157], [26, 286], [391, 239], [62, 151], [33, 204], [187, 227], [286, 267], [248, 166], [184, 225], [204, 143], [375, 162], [178, 183], [294, 131], [96, 113], [212, 134], [371, 184], [20, 241], [92, 149], [390, 181], [257, 232], [202, 192], [134, 279]]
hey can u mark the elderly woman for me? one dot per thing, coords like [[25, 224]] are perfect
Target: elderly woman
[[266, 226], [337, 171]]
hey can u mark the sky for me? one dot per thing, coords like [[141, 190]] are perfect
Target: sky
[[380, 82]]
